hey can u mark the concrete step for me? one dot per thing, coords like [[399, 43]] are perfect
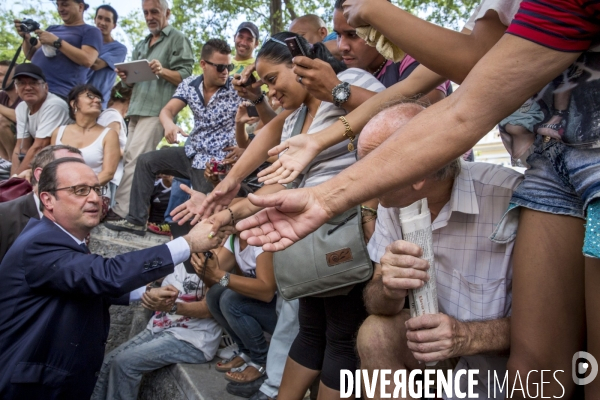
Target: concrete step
[[186, 382]]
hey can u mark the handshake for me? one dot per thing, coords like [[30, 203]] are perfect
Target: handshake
[[201, 237]]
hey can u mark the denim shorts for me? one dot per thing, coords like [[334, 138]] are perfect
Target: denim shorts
[[561, 179]]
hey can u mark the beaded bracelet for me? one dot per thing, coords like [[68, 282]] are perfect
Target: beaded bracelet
[[232, 217]]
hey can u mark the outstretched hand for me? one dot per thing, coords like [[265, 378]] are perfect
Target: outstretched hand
[[191, 208], [296, 153], [219, 198], [291, 215]]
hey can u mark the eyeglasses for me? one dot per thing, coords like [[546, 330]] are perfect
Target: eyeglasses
[[221, 67], [92, 96], [84, 190], [33, 85]]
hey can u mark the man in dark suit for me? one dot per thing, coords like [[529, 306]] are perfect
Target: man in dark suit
[[54, 295], [15, 214]]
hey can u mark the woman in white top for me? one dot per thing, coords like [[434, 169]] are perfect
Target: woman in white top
[[114, 117], [99, 145]]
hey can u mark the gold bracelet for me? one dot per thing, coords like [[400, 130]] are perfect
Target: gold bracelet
[[348, 133], [371, 210]]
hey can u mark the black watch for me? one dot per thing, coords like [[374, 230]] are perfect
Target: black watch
[[259, 100], [341, 93], [57, 43]]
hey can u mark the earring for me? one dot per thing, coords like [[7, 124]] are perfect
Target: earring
[[75, 109]]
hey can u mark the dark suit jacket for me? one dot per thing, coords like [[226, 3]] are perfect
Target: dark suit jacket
[[54, 319], [14, 215]]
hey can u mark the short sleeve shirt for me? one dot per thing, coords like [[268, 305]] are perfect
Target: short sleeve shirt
[[563, 25], [214, 123], [245, 259], [61, 73], [335, 159], [174, 51], [105, 78], [53, 113]]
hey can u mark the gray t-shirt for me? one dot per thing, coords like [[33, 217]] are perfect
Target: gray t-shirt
[[53, 113]]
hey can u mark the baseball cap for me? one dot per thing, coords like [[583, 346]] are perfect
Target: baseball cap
[[250, 27], [29, 69]]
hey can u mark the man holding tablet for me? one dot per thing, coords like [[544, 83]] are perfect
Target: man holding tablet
[[171, 58]]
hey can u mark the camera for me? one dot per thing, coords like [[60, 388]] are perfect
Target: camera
[[217, 167], [250, 81], [29, 25]]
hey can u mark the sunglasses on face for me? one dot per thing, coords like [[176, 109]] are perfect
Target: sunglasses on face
[[84, 190], [221, 67], [92, 96]]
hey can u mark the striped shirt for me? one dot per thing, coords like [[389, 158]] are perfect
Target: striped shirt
[[335, 159], [563, 25], [472, 245]]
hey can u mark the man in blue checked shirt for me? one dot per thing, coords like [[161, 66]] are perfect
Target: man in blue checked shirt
[[214, 103]]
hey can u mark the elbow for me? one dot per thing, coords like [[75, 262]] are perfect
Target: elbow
[[267, 297]]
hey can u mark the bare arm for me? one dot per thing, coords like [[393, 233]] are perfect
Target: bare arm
[[449, 128], [38, 144], [85, 56], [8, 113], [194, 309], [166, 117], [111, 157], [98, 64], [451, 54]]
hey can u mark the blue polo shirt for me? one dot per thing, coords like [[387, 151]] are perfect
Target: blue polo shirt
[[105, 78], [61, 73]]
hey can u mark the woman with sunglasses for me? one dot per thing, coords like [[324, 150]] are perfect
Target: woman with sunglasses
[[99, 145]]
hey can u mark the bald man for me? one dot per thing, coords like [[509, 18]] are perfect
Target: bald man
[[311, 27], [473, 266]]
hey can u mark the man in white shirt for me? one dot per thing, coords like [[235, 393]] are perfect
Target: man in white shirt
[[38, 115], [473, 238]]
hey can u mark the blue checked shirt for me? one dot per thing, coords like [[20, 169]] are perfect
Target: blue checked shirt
[[214, 123]]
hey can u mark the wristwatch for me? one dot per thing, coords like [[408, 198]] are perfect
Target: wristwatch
[[173, 309], [57, 43], [341, 93], [224, 281]]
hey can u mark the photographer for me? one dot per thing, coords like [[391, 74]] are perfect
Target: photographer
[[38, 115], [67, 51]]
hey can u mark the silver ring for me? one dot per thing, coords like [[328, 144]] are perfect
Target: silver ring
[[300, 80]]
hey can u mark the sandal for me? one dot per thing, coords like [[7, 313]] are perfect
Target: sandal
[[261, 370], [221, 365]]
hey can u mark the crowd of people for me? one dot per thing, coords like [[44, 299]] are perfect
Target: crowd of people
[[283, 145]]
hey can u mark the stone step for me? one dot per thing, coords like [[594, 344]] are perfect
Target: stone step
[[186, 382]]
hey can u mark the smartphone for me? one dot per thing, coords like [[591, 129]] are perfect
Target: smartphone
[[293, 43], [252, 111], [250, 81]]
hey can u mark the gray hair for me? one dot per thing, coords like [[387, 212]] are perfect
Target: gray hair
[[448, 171], [164, 4]]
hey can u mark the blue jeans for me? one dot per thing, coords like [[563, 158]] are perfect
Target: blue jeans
[[178, 197], [561, 179], [283, 337], [122, 369], [245, 319]]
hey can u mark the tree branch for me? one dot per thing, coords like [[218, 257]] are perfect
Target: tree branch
[[290, 7]]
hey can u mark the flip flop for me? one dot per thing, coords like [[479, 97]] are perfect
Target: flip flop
[[220, 365], [259, 368]]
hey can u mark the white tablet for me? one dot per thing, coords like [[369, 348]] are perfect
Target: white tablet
[[137, 71]]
